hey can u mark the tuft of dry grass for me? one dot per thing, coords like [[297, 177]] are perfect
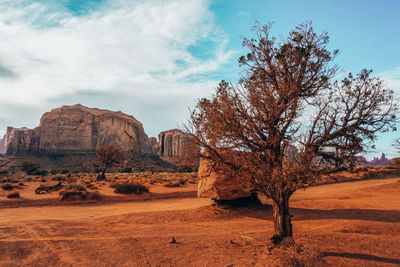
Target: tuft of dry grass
[[288, 253], [13, 194]]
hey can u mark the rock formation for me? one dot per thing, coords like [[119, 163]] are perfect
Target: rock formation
[[3, 145], [219, 186], [173, 144], [79, 129], [383, 161]]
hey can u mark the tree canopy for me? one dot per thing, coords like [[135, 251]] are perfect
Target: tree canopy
[[287, 120]]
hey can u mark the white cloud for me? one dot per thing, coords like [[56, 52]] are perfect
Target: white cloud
[[392, 79], [139, 49]]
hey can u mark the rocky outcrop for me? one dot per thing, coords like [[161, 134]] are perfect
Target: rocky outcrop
[[154, 145], [173, 144], [79, 129], [382, 161], [219, 186], [3, 145], [18, 140]]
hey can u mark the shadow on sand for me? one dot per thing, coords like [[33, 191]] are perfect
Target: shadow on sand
[[362, 257], [299, 214]]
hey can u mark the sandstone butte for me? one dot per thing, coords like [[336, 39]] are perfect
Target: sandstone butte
[[81, 129]]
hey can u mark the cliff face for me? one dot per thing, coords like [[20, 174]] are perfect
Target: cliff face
[[173, 144], [79, 129], [3, 145]]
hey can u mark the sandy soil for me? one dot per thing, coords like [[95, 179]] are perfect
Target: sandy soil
[[352, 224]]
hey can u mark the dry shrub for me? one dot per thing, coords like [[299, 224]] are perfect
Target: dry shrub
[[176, 183], [289, 253], [74, 191], [7, 187], [72, 194], [13, 194], [78, 186], [130, 188]]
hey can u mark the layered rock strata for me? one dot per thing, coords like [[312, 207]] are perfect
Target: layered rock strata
[[173, 144], [3, 145]]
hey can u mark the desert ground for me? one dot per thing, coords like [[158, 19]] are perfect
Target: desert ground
[[349, 224]]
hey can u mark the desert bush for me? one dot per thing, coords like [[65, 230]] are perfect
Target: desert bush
[[74, 191], [7, 187], [126, 170], [5, 172], [30, 167], [54, 172], [76, 171], [130, 188], [13, 194], [64, 171]]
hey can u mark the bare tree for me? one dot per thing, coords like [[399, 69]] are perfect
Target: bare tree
[[108, 155], [284, 121]]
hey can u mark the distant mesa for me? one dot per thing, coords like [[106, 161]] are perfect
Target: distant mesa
[[81, 129], [78, 128]]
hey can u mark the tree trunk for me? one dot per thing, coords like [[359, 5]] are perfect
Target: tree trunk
[[282, 218], [103, 174]]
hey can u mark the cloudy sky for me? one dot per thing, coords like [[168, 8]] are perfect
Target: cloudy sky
[[154, 58]]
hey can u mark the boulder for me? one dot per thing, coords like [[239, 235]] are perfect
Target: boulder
[[79, 129], [219, 186]]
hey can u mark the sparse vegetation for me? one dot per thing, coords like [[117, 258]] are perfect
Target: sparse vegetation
[[176, 183], [30, 167], [185, 169], [40, 172]]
